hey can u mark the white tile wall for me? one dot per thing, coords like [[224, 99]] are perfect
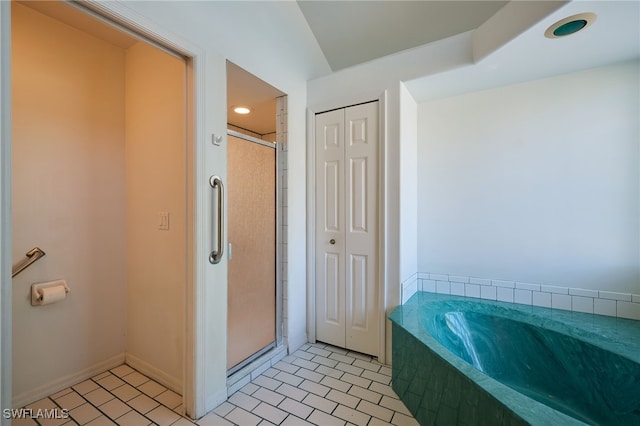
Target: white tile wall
[[505, 294], [457, 288], [409, 286], [472, 290], [282, 139], [522, 296], [582, 304], [622, 305], [488, 292]]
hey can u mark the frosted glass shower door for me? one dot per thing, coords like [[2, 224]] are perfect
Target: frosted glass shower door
[[251, 183]]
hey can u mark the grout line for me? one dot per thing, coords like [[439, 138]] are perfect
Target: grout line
[[332, 382]]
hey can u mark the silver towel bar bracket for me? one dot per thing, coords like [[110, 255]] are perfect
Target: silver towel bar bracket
[[32, 255]]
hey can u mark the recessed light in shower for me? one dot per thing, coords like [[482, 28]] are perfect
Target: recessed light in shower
[[570, 25], [241, 109]]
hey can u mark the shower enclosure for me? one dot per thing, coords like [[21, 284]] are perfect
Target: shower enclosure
[[251, 184]]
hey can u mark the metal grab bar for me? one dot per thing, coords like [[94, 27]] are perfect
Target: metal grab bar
[[32, 255], [216, 254]]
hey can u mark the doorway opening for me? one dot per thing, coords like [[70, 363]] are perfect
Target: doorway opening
[[101, 135], [257, 200]]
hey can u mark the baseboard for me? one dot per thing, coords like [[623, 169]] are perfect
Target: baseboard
[[173, 383], [64, 382]]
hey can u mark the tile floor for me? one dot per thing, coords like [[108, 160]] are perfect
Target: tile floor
[[316, 385]]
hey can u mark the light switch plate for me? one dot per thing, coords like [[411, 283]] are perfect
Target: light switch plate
[[163, 221]]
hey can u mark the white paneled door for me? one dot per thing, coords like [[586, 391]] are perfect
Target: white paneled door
[[347, 228]]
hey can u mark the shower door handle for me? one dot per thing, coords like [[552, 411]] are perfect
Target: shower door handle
[[218, 222]]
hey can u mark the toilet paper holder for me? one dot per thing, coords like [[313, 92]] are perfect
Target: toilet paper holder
[[37, 290]]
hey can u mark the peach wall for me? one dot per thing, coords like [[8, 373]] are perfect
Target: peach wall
[[98, 151], [68, 199], [156, 182]]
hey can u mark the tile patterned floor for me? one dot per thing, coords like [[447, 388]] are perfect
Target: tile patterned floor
[[316, 385]]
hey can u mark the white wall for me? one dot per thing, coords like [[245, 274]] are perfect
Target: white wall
[[409, 184], [535, 182], [384, 77], [155, 182], [272, 50], [228, 30], [68, 199]]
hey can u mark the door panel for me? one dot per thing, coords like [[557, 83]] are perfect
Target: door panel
[[358, 186], [332, 288], [332, 193], [358, 280], [330, 270], [251, 184], [346, 200], [361, 152]]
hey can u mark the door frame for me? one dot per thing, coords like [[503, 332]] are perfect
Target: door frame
[[201, 392], [382, 222], [5, 209]]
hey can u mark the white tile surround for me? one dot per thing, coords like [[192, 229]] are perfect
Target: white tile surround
[[283, 202], [621, 305]]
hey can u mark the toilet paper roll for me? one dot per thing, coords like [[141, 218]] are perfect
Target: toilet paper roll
[[52, 294]]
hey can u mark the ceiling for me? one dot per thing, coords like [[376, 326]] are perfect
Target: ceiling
[[81, 20], [612, 38], [245, 89], [353, 32]]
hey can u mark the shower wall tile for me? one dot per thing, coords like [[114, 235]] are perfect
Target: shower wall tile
[[282, 139]]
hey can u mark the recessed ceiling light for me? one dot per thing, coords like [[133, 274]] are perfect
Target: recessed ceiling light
[[241, 109], [570, 25]]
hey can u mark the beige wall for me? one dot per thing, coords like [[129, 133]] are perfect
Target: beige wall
[[98, 151], [156, 182], [68, 198]]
